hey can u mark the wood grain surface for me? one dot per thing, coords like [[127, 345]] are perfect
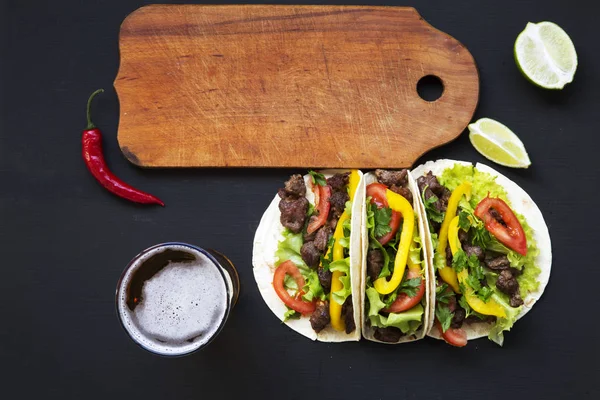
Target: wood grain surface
[[287, 86]]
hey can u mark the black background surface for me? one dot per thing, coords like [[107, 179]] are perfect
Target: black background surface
[[65, 240]]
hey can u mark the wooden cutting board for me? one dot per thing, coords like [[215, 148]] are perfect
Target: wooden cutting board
[[287, 86]]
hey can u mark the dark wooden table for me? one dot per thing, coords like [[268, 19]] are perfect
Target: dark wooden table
[[65, 241]]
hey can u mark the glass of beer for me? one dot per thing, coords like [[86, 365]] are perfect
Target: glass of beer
[[174, 298]]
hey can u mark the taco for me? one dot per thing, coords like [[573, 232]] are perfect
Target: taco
[[307, 253], [395, 268], [489, 247]]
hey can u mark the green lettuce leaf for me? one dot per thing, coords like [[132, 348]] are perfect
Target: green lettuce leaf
[[291, 314], [343, 266], [318, 178], [312, 287], [414, 252], [503, 324], [439, 260], [289, 249], [408, 321], [290, 283]]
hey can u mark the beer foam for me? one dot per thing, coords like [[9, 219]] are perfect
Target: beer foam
[[182, 306]]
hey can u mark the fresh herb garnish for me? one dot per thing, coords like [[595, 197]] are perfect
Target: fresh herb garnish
[[459, 261], [382, 216], [410, 286], [432, 212], [328, 257], [481, 237], [475, 275], [463, 221], [318, 178], [444, 315], [442, 295], [462, 301], [485, 293]]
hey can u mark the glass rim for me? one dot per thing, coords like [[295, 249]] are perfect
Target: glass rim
[[213, 260]]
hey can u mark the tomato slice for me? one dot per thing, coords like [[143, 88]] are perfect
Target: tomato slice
[[403, 302], [295, 303], [454, 337], [377, 193], [323, 207], [511, 235]]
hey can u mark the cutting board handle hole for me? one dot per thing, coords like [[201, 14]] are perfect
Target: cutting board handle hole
[[430, 88]]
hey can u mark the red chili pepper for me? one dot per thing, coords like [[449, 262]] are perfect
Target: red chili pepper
[[94, 160]]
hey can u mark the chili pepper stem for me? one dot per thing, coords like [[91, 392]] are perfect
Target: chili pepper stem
[[90, 124]]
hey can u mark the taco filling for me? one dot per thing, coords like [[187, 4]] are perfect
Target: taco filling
[[484, 252], [312, 277], [395, 271]]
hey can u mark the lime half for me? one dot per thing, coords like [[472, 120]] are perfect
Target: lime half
[[545, 55], [498, 143]]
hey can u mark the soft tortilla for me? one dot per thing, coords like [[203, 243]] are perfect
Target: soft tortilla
[[269, 233], [428, 266], [522, 203]]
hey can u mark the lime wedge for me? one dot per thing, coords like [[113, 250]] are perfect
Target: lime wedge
[[498, 143], [545, 55]]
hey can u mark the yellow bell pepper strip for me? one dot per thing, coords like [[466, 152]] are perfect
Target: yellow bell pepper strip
[[489, 308], [335, 309], [447, 273], [401, 205]]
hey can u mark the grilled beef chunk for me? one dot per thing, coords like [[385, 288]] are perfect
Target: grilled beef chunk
[[463, 237], [388, 335], [325, 279], [403, 191], [309, 237], [441, 204], [397, 181], [497, 262], [443, 200], [392, 178], [458, 318], [332, 222], [338, 182], [348, 314], [320, 317], [516, 300], [452, 302], [449, 256], [507, 283], [338, 203], [374, 264], [310, 254], [474, 250], [322, 238], [475, 318], [293, 213], [293, 187], [430, 181]]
